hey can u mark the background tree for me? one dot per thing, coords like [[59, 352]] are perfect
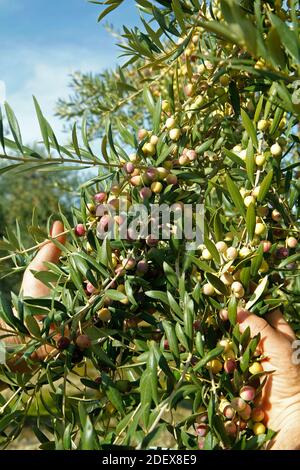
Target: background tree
[[30, 201]]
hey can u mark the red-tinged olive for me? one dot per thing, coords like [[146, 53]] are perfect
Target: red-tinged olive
[[83, 342], [230, 428], [202, 429], [229, 412], [229, 366], [142, 267], [267, 245], [145, 193], [223, 314], [171, 179], [100, 197], [282, 252], [63, 343], [90, 289], [247, 393], [129, 167], [142, 134], [197, 325], [80, 230]]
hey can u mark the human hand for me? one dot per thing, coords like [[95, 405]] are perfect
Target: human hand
[[32, 287], [49, 252], [281, 393]]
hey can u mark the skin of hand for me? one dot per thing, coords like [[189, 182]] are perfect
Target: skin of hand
[[281, 393], [32, 287]]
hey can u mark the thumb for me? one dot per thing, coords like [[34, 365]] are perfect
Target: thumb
[[49, 252], [268, 336]]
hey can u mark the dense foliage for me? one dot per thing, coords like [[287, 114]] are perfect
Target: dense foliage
[[205, 109]]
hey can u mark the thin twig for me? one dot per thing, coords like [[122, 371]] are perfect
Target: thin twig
[[35, 247]]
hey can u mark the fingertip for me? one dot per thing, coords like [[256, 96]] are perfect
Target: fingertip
[[49, 251], [259, 325], [242, 315], [57, 231]]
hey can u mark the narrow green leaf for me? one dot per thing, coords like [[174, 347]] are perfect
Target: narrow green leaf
[[199, 344], [67, 441], [157, 115], [170, 274], [218, 227], [258, 108], [275, 53], [245, 359], [232, 310], [257, 293], [42, 124], [251, 221], [245, 275], [32, 326], [104, 149], [287, 36], [257, 260], [276, 120], [152, 367], [75, 140], [208, 357], [7, 314], [202, 265], [248, 125], [288, 260], [174, 305], [235, 195], [250, 163], [179, 14], [115, 4], [265, 186], [212, 249], [205, 146], [188, 319], [87, 436], [181, 336], [234, 97], [171, 337], [148, 99], [115, 295], [2, 131], [233, 157], [14, 126], [155, 294], [146, 396], [217, 283]]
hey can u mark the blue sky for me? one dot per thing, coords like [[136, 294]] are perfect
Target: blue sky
[[42, 42]]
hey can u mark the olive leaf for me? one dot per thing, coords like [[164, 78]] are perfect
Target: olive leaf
[[208, 357], [251, 221], [265, 186], [248, 125], [235, 195]]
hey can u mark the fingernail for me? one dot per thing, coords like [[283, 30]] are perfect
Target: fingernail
[[242, 314]]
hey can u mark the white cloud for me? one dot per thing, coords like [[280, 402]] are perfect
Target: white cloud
[[45, 74]]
